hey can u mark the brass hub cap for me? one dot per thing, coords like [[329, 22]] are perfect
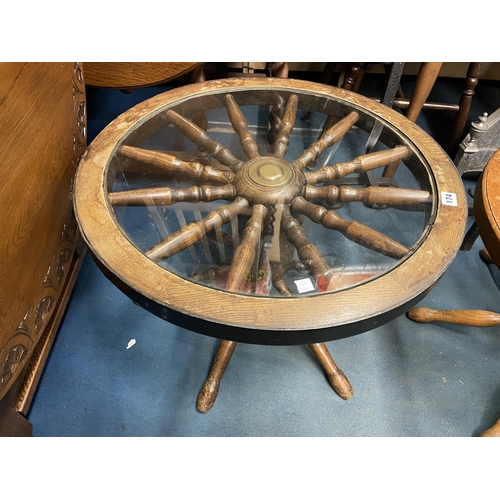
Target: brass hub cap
[[268, 180], [270, 172]]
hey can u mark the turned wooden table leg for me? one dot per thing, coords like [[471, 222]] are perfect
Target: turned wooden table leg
[[209, 391], [337, 379], [492, 431]]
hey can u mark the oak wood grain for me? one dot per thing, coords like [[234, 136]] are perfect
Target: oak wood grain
[[126, 75]]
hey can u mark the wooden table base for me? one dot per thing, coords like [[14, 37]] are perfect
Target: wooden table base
[[210, 389]]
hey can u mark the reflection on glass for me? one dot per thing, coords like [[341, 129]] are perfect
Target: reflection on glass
[[270, 194]]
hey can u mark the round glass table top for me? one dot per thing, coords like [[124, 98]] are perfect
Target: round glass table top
[[265, 206]]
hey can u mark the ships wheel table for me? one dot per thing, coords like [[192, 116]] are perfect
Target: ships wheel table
[[269, 211]]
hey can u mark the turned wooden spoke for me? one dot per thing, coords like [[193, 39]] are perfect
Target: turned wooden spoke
[[246, 251], [173, 165], [195, 231], [167, 196], [308, 253], [201, 139], [329, 137], [359, 165], [241, 128], [352, 230], [391, 196], [282, 140]]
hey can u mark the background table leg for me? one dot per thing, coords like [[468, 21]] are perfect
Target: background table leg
[[426, 78], [469, 317]]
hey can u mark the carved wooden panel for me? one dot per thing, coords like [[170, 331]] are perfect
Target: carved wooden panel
[[42, 136]]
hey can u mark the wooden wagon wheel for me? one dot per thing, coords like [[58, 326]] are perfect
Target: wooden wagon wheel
[[272, 250]]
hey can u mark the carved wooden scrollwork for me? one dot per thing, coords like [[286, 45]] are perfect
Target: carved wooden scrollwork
[[15, 355], [32, 326], [80, 110]]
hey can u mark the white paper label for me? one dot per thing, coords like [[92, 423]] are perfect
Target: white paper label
[[449, 199], [305, 285]]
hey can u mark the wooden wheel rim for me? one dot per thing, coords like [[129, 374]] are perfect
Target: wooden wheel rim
[[290, 320]]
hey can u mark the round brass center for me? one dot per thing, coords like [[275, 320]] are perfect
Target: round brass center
[[270, 172]]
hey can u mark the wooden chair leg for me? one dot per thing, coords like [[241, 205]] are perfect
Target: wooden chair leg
[[471, 317], [209, 391], [426, 78], [328, 71], [464, 105], [492, 431], [336, 377], [278, 69], [352, 75], [197, 75]]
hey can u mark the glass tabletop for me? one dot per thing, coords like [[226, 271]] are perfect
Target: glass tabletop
[[270, 193], [268, 210]]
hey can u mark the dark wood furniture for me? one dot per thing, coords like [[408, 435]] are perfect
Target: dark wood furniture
[[226, 208], [42, 135]]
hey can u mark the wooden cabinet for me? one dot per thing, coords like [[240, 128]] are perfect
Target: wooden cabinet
[[42, 136]]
